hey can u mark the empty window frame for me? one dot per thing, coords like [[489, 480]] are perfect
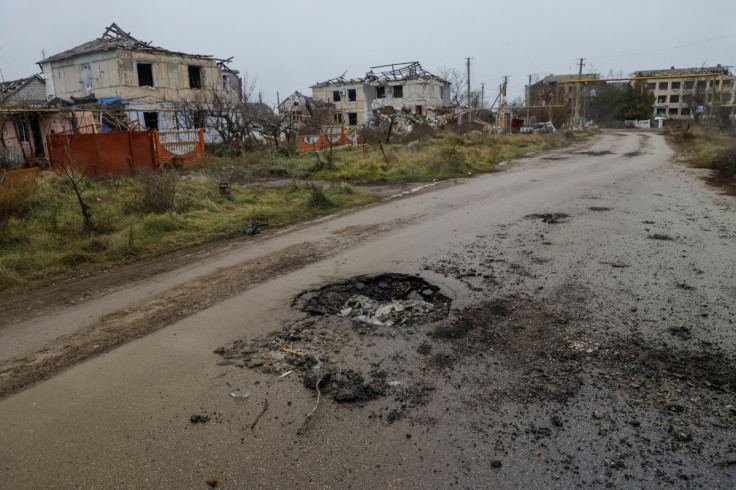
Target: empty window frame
[[86, 75], [338, 118], [419, 110], [685, 111], [195, 77], [661, 99], [674, 99], [663, 85], [727, 83], [336, 97], [726, 98], [380, 92], [651, 85], [150, 120], [352, 118], [398, 91], [352, 95], [672, 111], [660, 111], [21, 131], [701, 84], [689, 84], [675, 86], [145, 74]]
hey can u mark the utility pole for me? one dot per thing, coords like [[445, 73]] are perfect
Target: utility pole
[[482, 94], [470, 117], [579, 91], [528, 97]]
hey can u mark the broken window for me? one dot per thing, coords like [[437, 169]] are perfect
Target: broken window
[[338, 118], [726, 98], [663, 85], [674, 99], [685, 111], [660, 111], [689, 84], [352, 95], [651, 85], [86, 76], [195, 77], [727, 83], [145, 74], [661, 99], [675, 85], [380, 92], [673, 111], [419, 110], [701, 83], [336, 96], [398, 91], [150, 120], [352, 118], [21, 131]]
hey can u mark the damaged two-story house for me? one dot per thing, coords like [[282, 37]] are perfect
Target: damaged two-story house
[[154, 83], [401, 87]]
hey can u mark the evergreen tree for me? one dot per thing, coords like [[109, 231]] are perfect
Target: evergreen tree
[[635, 102]]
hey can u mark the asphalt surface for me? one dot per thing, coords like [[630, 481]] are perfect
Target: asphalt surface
[[589, 341]]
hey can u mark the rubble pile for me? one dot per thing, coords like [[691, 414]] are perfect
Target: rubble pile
[[363, 309]]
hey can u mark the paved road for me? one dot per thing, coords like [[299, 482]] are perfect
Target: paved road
[[123, 418]]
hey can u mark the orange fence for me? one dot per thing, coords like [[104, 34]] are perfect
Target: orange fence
[[103, 154], [123, 152], [329, 137], [179, 147]]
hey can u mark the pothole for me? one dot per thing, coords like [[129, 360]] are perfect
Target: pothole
[[385, 299]]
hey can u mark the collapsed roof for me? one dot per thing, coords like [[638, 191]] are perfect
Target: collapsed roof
[[411, 70], [115, 38]]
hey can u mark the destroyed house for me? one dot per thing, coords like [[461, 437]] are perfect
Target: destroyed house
[[26, 119], [307, 113], [153, 82], [401, 87], [555, 89]]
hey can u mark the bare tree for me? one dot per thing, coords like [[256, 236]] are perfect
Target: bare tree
[[71, 167], [458, 85]]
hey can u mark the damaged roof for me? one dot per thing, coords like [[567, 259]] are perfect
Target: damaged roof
[[8, 89], [685, 71], [411, 70], [552, 79], [115, 38]]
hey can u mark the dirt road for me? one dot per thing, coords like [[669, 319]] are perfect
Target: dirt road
[[567, 321]]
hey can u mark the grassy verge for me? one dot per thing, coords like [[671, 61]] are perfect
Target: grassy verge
[[710, 147], [42, 236], [451, 155]]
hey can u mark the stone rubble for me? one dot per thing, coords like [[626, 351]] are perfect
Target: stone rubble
[[366, 310]]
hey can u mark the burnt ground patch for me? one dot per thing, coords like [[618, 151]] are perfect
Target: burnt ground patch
[[520, 373], [549, 217]]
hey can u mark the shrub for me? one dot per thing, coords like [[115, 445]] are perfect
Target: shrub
[[16, 197], [318, 199], [448, 161], [159, 191], [725, 161]]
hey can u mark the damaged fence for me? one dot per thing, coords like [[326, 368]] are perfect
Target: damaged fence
[[123, 152], [333, 137]]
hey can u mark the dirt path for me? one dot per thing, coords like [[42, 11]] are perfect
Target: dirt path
[[588, 341]]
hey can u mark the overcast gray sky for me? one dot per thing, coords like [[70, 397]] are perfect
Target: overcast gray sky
[[288, 45]]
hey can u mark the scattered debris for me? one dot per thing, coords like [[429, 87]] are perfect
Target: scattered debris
[[599, 208], [314, 410], [199, 419], [239, 394], [290, 351], [286, 374], [659, 236], [212, 483], [614, 264], [254, 228], [258, 417], [549, 217]]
